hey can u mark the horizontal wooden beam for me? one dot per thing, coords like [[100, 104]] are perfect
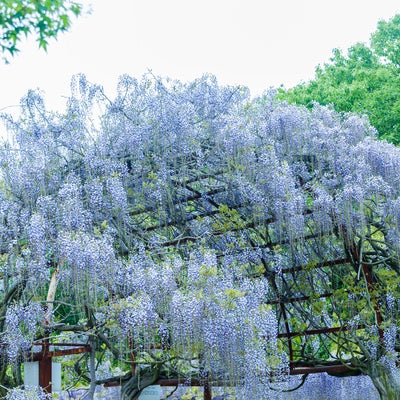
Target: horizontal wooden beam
[[330, 263], [45, 353], [286, 300], [320, 331], [294, 370], [318, 369]]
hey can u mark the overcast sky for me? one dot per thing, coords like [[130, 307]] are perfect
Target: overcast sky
[[257, 43]]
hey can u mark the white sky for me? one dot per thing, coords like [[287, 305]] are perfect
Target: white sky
[[256, 43]]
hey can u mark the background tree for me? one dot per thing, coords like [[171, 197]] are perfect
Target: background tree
[[193, 232], [386, 40], [43, 19], [366, 80]]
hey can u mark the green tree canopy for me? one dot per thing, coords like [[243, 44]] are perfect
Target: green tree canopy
[[365, 80], [386, 40], [44, 19]]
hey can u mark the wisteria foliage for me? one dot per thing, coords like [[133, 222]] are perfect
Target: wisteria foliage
[[180, 216]]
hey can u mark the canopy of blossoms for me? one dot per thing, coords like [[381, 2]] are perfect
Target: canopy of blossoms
[[201, 235]]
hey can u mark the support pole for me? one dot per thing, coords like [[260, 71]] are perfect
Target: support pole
[[45, 367], [207, 391]]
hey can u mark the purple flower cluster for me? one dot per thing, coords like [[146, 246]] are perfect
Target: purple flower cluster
[[117, 193], [28, 393], [88, 262], [73, 214], [226, 321], [136, 315], [21, 325]]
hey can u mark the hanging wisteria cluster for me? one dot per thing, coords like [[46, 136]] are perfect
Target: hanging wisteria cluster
[[28, 393], [21, 325], [201, 233]]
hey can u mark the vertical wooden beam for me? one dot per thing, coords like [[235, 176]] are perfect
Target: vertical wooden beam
[[132, 354], [207, 391], [271, 281], [45, 374], [351, 247], [45, 367], [45, 362], [371, 289]]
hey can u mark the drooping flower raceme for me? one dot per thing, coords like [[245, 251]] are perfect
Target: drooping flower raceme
[[22, 323]]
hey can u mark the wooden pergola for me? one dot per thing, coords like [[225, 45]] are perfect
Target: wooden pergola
[[201, 195], [47, 353]]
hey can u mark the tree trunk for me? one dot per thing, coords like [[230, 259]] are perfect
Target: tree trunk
[[386, 383], [3, 383], [92, 368], [132, 388]]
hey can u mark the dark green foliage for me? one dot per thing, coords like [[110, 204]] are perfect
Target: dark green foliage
[[44, 19], [366, 80]]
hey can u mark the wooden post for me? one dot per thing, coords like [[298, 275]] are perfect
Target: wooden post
[[132, 354], [45, 362], [207, 391], [45, 367], [45, 356]]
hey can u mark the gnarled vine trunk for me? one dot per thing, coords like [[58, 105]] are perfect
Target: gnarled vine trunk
[[385, 381], [131, 389]]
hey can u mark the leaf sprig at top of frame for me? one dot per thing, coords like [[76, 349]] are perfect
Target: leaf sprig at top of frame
[[43, 19]]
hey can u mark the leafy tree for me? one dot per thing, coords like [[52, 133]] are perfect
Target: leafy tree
[[386, 40], [193, 234], [44, 19], [366, 80]]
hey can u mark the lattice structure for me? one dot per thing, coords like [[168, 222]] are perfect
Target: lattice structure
[[333, 258], [299, 290]]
